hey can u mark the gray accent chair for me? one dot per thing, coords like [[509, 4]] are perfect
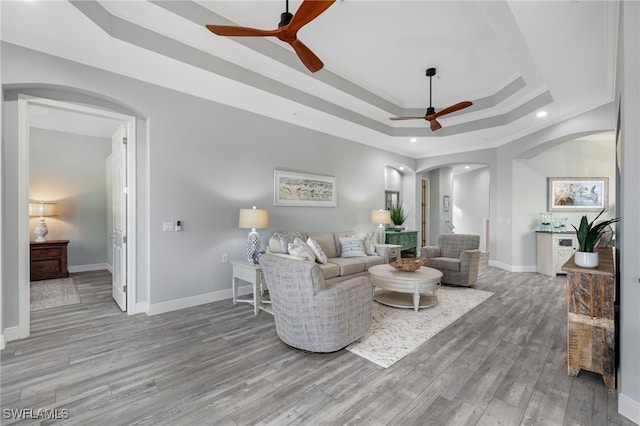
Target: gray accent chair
[[457, 256], [312, 315]]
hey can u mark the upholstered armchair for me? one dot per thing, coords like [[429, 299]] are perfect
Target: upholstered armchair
[[457, 256], [312, 315]]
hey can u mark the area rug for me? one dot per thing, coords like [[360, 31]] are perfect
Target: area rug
[[47, 294], [395, 332]]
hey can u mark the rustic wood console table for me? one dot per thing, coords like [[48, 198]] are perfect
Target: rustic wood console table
[[591, 296]]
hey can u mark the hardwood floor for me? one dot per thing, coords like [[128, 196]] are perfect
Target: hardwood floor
[[217, 364]]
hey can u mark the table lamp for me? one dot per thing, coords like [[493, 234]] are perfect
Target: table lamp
[[253, 219], [381, 217], [42, 210]]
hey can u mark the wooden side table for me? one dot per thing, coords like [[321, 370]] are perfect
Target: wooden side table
[[591, 295], [251, 273], [49, 260]]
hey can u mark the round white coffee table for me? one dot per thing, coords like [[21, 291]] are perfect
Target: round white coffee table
[[403, 289]]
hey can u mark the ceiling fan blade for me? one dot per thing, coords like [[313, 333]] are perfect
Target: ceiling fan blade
[[308, 58], [407, 118], [231, 31], [434, 125], [307, 12], [452, 108]]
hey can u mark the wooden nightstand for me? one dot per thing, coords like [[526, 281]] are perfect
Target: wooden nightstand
[[49, 260]]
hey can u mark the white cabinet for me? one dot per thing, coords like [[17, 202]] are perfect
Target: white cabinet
[[553, 249]]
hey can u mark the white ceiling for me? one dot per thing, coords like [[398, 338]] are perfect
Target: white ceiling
[[511, 58]]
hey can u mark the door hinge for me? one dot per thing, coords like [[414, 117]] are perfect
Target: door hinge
[[124, 239], [124, 141], [125, 190], [124, 289]]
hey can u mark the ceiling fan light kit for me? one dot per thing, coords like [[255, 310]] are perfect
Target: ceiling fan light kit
[[287, 30], [431, 115]]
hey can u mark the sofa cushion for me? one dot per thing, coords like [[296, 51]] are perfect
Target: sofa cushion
[[300, 248], [370, 261], [351, 247], [348, 265], [321, 256], [329, 270], [326, 242], [444, 263]]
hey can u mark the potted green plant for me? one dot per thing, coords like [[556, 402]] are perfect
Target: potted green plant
[[398, 216], [588, 234]]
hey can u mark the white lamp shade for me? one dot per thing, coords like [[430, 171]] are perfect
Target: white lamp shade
[[253, 218], [43, 209], [380, 216]]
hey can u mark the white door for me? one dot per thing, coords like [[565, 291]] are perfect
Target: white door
[[119, 217]]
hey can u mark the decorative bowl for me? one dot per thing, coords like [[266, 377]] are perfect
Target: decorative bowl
[[409, 265]]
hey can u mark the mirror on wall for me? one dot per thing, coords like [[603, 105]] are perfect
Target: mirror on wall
[[391, 198]]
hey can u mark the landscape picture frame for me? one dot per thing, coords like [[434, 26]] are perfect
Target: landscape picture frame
[[577, 194], [304, 189]]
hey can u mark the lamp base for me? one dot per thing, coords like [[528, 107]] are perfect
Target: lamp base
[[253, 244], [380, 235], [41, 231]]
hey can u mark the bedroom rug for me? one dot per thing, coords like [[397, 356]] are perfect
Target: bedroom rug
[[396, 332], [47, 294]]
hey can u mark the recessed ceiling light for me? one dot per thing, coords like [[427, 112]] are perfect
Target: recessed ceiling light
[[541, 114], [413, 140], [466, 167], [401, 168]]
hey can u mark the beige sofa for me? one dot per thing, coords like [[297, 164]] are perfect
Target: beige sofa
[[337, 267]]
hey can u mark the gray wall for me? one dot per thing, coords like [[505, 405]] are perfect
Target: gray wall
[[70, 170], [200, 163], [470, 202], [629, 203]]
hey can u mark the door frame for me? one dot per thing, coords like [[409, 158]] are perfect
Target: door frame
[[24, 101]]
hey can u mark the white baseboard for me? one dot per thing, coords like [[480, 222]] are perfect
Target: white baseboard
[[188, 302], [141, 307], [12, 333], [512, 268], [628, 407], [500, 265], [88, 268], [2, 342]]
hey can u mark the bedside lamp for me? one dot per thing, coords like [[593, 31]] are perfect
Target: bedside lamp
[[43, 210], [381, 217], [253, 219]]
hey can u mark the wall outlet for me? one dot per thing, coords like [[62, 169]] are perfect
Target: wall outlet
[[225, 258], [167, 226]]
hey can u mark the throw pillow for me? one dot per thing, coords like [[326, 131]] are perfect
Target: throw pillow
[[279, 242], [321, 257], [309, 253], [352, 247], [298, 250], [369, 244]]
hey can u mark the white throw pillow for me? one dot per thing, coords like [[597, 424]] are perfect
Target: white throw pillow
[[299, 248], [352, 247], [321, 257], [369, 244]]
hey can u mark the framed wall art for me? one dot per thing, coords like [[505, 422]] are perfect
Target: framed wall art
[[575, 194], [446, 203], [300, 189]]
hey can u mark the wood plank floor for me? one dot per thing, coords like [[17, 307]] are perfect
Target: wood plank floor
[[504, 363]]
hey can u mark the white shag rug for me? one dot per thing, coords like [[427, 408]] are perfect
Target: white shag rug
[[396, 332], [47, 294]]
